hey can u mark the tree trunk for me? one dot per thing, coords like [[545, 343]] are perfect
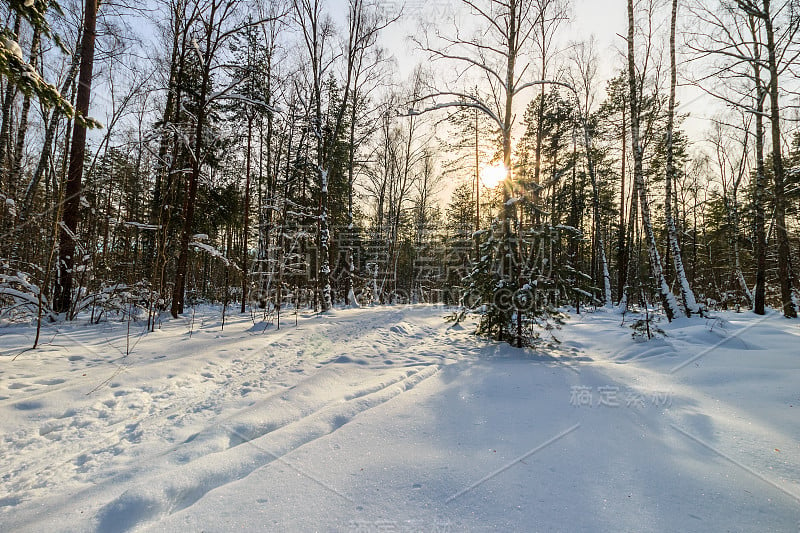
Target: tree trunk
[[72, 193], [759, 299], [784, 269], [246, 214], [537, 169], [5, 126], [350, 297], [622, 256], [687, 295], [477, 193], [667, 298], [508, 249], [632, 248], [324, 242], [179, 288]]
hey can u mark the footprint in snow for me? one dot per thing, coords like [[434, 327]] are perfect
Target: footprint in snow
[[28, 406], [402, 329], [51, 381]]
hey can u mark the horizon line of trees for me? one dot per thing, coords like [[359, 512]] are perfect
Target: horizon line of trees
[[265, 155]]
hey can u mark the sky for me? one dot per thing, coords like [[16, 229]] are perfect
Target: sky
[[604, 20]]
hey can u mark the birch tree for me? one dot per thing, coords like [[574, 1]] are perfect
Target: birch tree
[[690, 306], [750, 58], [635, 98]]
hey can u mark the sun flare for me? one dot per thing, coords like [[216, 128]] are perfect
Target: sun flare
[[492, 175]]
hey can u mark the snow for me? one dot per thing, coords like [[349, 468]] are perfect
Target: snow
[[214, 253], [142, 226], [686, 290], [13, 47], [351, 296], [390, 418]]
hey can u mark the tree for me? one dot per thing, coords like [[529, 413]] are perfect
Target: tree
[[317, 32], [548, 124], [760, 237], [740, 35], [585, 71], [364, 59], [216, 24], [550, 14], [22, 74], [497, 52], [70, 213], [635, 99], [469, 144], [767, 15], [617, 105], [255, 74], [687, 295]]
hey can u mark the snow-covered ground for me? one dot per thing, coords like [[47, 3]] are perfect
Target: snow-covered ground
[[391, 419]]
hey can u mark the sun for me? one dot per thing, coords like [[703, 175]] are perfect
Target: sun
[[492, 175]]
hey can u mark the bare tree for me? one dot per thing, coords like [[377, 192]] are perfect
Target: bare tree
[[497, 53], [732, 155], [635, 99], [218, 21], [70, 212], [687, 295], [584, 63], [363, 66], [775, 54], [740, 36], [550, 15]]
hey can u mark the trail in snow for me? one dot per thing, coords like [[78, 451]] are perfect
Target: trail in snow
[[188, 406], [389, 418]]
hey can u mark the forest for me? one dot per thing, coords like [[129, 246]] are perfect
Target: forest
[[399, 265], [270, 155]]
